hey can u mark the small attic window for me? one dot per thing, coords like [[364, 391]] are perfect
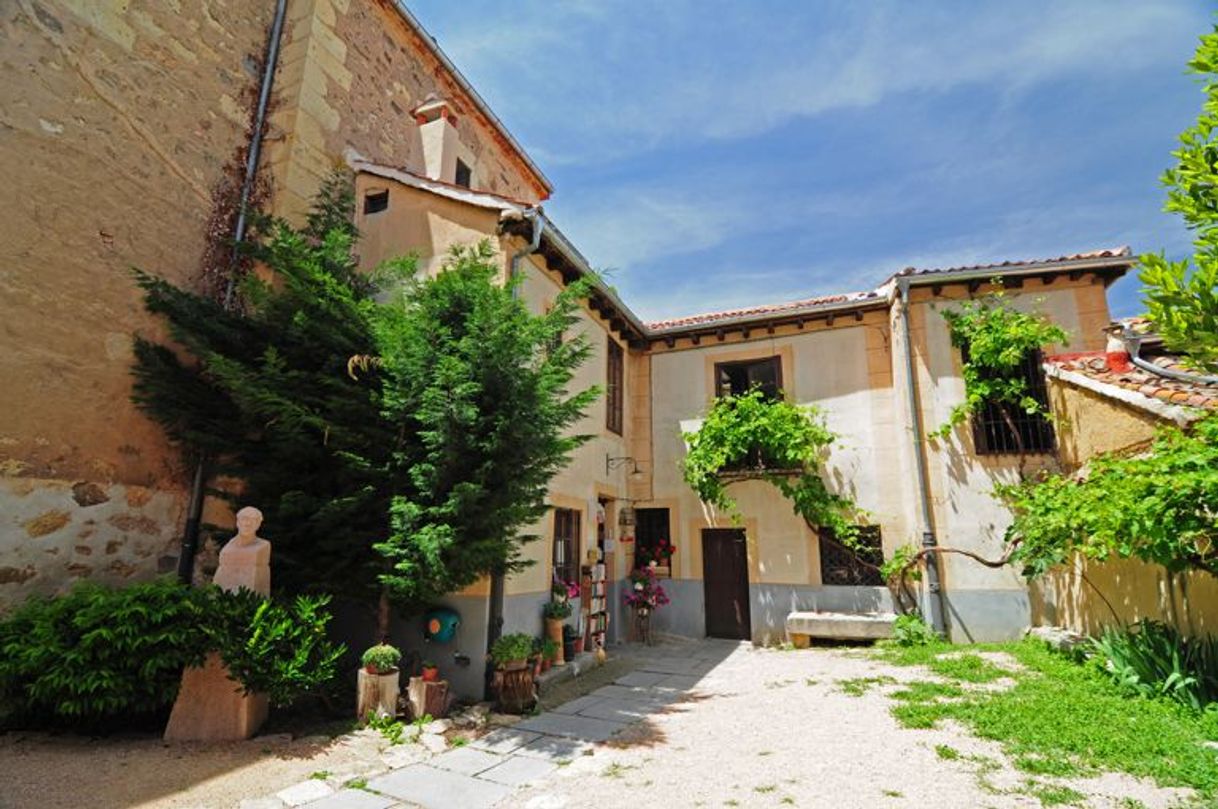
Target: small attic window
[[464, 175], [376, 201]]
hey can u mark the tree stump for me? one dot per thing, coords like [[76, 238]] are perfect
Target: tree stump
[[377, 695], [427, 698], [516, 690]]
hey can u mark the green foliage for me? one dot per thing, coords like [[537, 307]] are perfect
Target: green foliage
[[482, 383], [911, 630], [390, 727], [857, 686], [776, 439], [265, 392], [558, 610], [997, 337], [382, 658], [1153, 660], [901, 562], [549, 649], [98, 653], [1062, 711], [1160, 506], [512, 647], [1182, 296]]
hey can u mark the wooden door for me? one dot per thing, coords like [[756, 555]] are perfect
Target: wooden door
[[725, 579]]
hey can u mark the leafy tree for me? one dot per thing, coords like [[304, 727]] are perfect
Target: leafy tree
[[1182, 296], [479, 387], [265, 392]]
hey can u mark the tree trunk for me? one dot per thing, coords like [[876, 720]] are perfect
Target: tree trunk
[[382, 616]]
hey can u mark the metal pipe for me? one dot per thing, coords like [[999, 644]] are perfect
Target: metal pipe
[[1133, 344], [935, 606], [194, 509]]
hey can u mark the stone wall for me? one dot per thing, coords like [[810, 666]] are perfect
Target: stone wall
[[116, 123]]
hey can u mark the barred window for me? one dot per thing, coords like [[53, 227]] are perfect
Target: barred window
[[613, 388], [843, 566], [1007, 429], [566, 544]]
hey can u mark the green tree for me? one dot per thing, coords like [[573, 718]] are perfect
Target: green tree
[[479, 386], [1182, 296], [265, 392]]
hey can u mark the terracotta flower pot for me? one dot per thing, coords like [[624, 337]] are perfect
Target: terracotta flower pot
[[431, 674], [579, 645], [554, 633]]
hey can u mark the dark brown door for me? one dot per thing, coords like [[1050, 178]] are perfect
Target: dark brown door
[[725, 579]]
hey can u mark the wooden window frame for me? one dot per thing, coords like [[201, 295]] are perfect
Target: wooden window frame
[[566, 544], [774, 360], [468, 180], [615, 372]]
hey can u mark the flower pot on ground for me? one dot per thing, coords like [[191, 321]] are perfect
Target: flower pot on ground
[[431, 672], [550, 649], [579, 645], [378, 682], [511, 656], [555, 612]]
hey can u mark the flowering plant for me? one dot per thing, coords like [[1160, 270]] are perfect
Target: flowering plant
[[659, 553], [562, 590], [644, 590]]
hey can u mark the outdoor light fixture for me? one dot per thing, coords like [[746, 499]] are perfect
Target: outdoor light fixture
[[612, 463]]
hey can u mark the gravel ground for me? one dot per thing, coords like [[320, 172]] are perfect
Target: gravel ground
[[772, 728]]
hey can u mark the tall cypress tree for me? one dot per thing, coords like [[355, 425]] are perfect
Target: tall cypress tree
[[265, 391]]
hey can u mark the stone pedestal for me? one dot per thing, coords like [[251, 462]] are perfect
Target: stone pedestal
[[211, 707]]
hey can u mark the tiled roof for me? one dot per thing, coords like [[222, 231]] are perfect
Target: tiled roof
[[764, 310], [1114, 370], [1108, 252]]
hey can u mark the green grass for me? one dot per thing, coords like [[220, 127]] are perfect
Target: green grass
[[858, 686], [1054, 795], [925, 691], [946, 752], [1063, 718]]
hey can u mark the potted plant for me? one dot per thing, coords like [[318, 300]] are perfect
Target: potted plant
[[378, 682], [549, 651], [511, 652], [431, 672], [511, 655], [644, 596], [555, 613]]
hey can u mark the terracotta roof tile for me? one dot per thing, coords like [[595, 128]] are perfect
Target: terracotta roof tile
[[1107, 252], [1099, 367], [763, 310]]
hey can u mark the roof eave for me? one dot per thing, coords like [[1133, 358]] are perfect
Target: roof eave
[[1121, 263]]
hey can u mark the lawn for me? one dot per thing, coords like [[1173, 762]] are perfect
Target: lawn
[[1058, 717]]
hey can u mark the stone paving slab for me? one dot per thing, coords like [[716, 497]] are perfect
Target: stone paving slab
[[577, 705], [671, 666], [439, 789], [304, 792], [466, 761], [642, 679], [352, 799], [517, 771], [572, 727], [620, 710], [504, 740], [643, 695], [554, 748], [680, 682]]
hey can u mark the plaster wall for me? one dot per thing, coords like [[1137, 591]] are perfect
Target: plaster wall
[[1089, 424], [118, 120]]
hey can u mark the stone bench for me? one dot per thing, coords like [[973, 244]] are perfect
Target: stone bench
[[803, 626]]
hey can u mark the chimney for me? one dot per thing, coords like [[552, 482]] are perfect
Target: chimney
[[437, 122], [1115, 353]]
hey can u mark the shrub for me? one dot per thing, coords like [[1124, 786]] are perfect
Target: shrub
[[381, 658], [509, 648], [1152, 659], [557, 609], [911, 630], [99, 654]]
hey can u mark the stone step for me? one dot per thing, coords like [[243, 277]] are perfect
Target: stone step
[[583, 662], [802, 626]]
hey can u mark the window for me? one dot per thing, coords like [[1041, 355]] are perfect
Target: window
[[613, 388], [464, 175], [1000, 429], [735, 378], [651, 525], [841, 566], [566, 545], [376, 201]]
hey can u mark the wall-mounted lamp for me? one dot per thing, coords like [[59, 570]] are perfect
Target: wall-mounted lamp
[[612, 463]]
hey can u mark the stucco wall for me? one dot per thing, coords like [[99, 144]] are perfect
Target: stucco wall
[[118, 120], [1089, 423]]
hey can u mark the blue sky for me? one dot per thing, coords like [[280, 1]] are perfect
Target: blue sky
[[711, 155]]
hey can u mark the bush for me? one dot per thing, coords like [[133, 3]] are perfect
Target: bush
[[557, 609], [382, 658], [100, 654], [517, 646], [911, 630], [1152, 659]]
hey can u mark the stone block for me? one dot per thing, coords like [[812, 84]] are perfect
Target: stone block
[[518, 771], [504, 740], [840, 625], [304, 792], [439, 789], [212, 708], [466, 760], [572, 727], [352, 799]]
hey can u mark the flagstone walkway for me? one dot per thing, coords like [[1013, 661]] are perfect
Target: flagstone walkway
[[487, 771]]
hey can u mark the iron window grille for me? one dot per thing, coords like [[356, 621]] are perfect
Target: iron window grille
[[842, 566], [566, 545], [613, 387], [1007, 429]]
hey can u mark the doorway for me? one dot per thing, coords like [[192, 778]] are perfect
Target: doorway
[[725, 580]]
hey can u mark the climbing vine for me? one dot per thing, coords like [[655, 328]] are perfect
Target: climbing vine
[[995, 338], [1159, 506], [752, 437]]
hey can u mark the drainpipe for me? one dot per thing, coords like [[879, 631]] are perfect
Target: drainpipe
[[494, 626], [934, 604], [194, 509], [1133, 344]]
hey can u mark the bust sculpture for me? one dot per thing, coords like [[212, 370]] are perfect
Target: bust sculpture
[[245, 560]]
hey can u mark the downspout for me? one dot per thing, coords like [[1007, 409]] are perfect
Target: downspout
[[1133, 344], [494, 625], [194, 508], [934, 605]]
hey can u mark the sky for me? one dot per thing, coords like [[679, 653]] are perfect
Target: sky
[[712, 155]]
